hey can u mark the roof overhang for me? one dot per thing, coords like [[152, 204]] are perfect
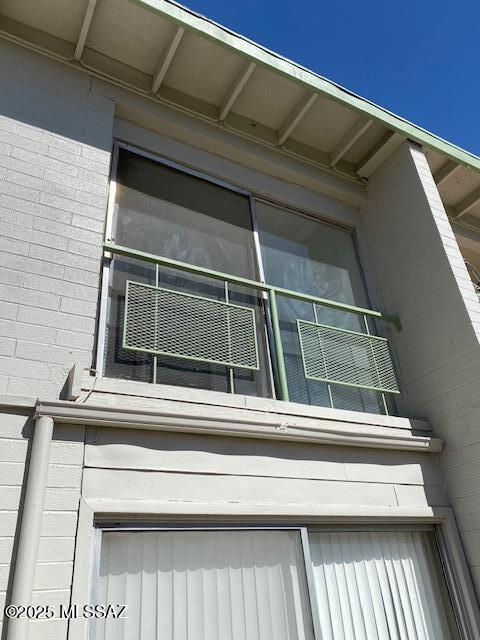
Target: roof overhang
[[174, 56]]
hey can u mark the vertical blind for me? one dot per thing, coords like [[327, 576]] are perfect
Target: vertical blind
[[252, 585], [379, 585], [212, 585]]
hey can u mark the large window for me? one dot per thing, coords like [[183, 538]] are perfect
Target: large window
[[319, 259], [173, 214], [265, 584], [162, 210]]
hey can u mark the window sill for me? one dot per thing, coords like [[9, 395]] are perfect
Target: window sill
[[129, 404]]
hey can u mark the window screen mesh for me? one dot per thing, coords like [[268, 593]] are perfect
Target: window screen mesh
[[172, 214]]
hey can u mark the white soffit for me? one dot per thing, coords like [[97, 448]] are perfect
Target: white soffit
[[132, 37], [268, 99], [325, 124], [168, 53], [202, 69], [60, 18]]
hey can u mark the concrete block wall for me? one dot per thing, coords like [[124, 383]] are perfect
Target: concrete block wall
[[15, 430], [53, 575], [55, 146], [55, 143], [421, 277]]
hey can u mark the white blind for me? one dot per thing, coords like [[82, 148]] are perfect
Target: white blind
[[205, 585], [379, 586]]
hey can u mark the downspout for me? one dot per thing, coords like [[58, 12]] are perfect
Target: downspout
[[31, 524]]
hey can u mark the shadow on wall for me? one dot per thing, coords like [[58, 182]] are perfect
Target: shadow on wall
[[52, 97], [412, 477], [55, 146]]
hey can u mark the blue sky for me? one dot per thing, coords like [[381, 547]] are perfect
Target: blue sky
[[418, 58]]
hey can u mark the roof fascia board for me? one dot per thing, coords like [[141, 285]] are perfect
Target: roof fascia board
[[278, 64]]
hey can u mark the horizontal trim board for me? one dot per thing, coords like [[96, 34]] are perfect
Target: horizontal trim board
[[128, 392], [315, 528], [251, 426], [21, 402], [108, 510]]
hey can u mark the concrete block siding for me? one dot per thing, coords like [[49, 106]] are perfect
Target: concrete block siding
[[55, 560], [422, 277], [55, 142]]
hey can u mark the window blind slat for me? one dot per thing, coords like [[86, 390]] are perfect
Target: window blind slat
[[212, 585], [388, 580]]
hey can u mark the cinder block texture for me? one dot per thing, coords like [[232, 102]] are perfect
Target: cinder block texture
[[53, 573], [422, 277], [55, 143]]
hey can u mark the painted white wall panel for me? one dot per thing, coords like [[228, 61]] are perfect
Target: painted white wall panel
[[421, 277]]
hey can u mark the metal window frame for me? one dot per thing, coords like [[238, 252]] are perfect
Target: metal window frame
[[365, 276], [455, 590], [110, 237], [106, 263], [303, 530], [273, 374], [276, 375], [184, 168]]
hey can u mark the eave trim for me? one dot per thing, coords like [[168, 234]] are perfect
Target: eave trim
[[262, 56]]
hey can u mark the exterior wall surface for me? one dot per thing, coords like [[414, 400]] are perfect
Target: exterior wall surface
[[15, 431], [53, 574], [422, 278], [55, 141], [215, 471]]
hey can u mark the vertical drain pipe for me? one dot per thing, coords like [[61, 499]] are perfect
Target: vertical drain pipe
[[30, 528]]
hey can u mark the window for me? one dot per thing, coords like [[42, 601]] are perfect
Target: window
[[266, 584], [217, 329], [319, 259], [173, 214]]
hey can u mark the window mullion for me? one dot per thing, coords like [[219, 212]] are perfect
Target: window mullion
[[310, 583], [273, 374], [106, 263]]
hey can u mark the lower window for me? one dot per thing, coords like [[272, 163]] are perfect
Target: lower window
[[266, 584]]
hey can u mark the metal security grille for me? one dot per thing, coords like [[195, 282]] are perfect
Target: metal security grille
[[170, 323], [346, 357]]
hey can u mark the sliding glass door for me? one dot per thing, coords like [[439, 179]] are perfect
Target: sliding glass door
[[267, 584]]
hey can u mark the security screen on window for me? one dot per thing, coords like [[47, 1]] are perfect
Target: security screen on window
[[174, 213]]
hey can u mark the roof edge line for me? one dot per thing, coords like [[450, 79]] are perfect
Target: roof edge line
[[240, 44]]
